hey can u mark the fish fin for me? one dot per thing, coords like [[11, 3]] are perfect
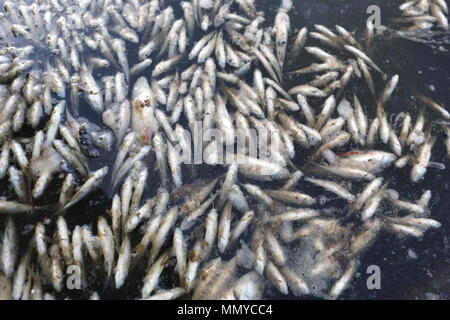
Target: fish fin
[[90, 67], [106, 285]]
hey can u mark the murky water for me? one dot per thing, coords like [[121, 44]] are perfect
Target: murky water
[[420, 67], [411, 268], [425, 69]]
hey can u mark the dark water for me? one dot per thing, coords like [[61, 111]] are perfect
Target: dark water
[[421, 67]]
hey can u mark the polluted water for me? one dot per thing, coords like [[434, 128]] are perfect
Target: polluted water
[[224, 149]]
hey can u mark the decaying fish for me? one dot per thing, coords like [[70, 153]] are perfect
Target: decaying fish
[[301, 165]]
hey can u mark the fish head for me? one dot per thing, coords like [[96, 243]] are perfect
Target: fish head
[[388, 159], [417, 173]]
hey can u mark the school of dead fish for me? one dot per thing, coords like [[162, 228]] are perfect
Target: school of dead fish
[[236, 235]]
